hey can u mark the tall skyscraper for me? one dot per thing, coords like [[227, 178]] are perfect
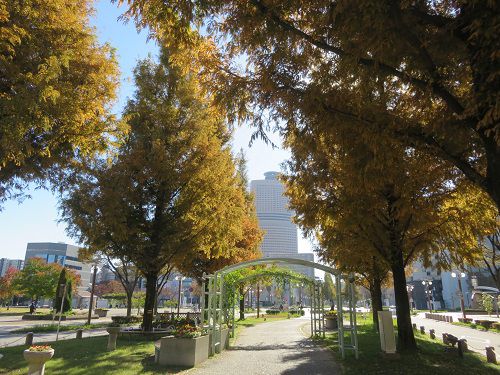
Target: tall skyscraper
[[280, 237]]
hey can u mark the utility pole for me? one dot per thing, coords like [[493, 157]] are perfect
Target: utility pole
[[92, 294]]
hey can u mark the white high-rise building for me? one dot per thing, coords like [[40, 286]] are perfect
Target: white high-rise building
[[5, 264], [280, 237]]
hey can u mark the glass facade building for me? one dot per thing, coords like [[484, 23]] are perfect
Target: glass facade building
[[64, 254]]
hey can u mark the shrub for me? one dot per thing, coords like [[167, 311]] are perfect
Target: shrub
[[485, 323], [126, 320], [272, 312], [487, 302]]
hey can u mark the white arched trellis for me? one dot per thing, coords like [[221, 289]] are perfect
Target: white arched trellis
[[214, 308]]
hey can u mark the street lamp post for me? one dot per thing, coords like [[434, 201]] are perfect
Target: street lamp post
[[409, 289], [180, 278], [428, 292], [258, 300], [461, 293], [300, 293]]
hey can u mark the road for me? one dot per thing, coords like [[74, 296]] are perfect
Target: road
[[272, 348], [477, 340], [12, 323]]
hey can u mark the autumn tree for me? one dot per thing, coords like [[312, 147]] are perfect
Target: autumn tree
[[38, 279], [397, 205], [7, 286], [171, 189], [108, 287], [57, 84], [437, 61], [491, 255]]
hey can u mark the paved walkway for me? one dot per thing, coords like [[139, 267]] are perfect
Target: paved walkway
[[272, 348], [477, 340]]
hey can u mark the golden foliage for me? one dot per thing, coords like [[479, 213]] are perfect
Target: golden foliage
[[56, 87]]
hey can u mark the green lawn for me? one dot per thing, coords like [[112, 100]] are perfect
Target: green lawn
[[53, 327], [476, 326], [432, 358], [89, 356], [15, 311], [252, 320]]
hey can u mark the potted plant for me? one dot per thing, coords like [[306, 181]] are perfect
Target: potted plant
[[36, 356], [331, 320], [101, 313], [187, 347]]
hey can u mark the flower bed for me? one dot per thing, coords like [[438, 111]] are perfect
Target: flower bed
[[40, 348], [36, 356]]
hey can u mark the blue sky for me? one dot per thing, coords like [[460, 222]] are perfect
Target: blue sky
[[35, 220]]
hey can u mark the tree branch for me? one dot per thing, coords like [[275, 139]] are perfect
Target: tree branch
[[422, 84]]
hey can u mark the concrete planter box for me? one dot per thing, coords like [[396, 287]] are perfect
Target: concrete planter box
[[101, 313], [184, 352], [36, 361], [331, 323], [225, 338], [224, 341]]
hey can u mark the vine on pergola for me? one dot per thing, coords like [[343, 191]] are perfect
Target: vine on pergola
[[237, 283]]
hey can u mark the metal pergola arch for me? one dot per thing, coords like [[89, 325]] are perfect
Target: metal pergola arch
[[213, 314]]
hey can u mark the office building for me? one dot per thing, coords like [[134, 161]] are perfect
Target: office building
[[5, 264], [275, 218], [64, 254]]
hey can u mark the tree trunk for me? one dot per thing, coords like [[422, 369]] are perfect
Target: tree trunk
[[129, 304], [376, 297], [242, 304], [149, 305], [406, 340]]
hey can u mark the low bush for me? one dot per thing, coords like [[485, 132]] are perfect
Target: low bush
[[272, 312], [41, 317], [485, 323], [126, 319], [276, 312]]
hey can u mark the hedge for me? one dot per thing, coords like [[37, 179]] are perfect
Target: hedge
[[126, 320]]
